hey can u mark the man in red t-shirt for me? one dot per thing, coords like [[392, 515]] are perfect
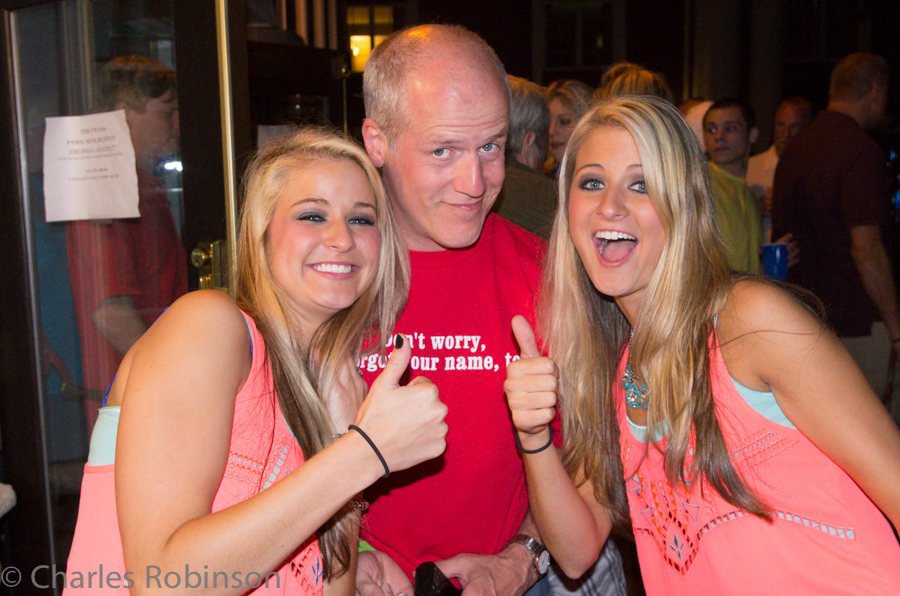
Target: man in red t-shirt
[[437, 102], [126, 272]]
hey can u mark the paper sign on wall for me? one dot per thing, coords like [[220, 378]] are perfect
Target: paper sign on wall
[[89, 168]]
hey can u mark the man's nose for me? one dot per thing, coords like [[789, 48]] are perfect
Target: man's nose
[[469, 176]]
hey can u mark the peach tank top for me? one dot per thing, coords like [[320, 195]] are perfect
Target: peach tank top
[[262, 451]]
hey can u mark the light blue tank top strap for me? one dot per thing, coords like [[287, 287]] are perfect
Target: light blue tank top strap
[[763, 402], [639, 431], [103, 440]]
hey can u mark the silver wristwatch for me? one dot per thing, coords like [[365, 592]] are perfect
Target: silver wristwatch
[[539, 554]]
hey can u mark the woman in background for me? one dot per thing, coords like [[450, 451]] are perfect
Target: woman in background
[[718, 416], [627, 78], [568, 100], [220, 452]]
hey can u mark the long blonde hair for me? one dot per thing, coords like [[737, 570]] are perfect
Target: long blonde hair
[[304, 376], [587, 333]]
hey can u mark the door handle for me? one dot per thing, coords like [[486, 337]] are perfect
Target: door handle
[[211, 260]]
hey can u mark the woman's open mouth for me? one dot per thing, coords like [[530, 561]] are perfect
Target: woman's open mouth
[[614, 246]]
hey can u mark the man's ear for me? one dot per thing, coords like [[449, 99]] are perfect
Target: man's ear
[[527, 144], [875, 95], [754, 135], [129, 112], [375, 142]]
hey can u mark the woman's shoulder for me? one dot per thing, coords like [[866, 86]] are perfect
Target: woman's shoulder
[[206, 318], [201, 331], [757, 304], [216, 302], [759, 319], [212, 309]]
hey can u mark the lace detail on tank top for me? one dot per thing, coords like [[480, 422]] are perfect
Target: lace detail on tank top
[[307, 568], [761, 446], [677, 519]]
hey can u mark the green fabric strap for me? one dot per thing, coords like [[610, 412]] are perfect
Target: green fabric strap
[[363, 545]]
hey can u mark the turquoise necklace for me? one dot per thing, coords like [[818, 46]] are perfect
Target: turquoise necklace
[[635, 389]]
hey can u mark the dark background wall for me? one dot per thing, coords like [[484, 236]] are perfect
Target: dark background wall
[[759, 50]]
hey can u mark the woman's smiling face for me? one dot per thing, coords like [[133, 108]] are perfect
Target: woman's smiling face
[[613, 224], [322, 241]]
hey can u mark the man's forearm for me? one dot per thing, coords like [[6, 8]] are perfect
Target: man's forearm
[[119, 322], [874, 267], [521, 553]]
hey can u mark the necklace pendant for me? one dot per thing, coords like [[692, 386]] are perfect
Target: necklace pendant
[[635, 395]]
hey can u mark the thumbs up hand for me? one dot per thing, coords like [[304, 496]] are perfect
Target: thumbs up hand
[[531, 388], [405, 422]]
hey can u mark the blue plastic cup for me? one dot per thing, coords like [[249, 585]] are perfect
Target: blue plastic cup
[[775, 260]]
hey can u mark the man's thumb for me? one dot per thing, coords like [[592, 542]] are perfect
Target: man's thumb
[[525, 338], [396, 363]]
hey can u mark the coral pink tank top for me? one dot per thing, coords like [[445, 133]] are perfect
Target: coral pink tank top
[[262, 452], [826, 537]]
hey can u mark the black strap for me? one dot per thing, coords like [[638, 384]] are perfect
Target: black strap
[[387, 472], [539, 449]]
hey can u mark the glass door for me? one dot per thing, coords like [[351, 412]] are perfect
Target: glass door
[[106, 226]]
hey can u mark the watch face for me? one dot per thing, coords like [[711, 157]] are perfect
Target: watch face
[[543, 562]]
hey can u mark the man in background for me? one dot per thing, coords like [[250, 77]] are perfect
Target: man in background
[[528, 197], [126, 272], [831, 192], [729, 128], [793, 115]]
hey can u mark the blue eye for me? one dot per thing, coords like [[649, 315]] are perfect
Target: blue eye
[[440, 152], [640, 186], [590, 184], [489, 147], [363, 220]]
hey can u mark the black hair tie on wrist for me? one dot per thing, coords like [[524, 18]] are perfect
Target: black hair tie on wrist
[[387, 471], [532, 451]]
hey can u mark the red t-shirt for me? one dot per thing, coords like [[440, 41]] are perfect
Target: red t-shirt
[[473, 498], [141, 258]]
